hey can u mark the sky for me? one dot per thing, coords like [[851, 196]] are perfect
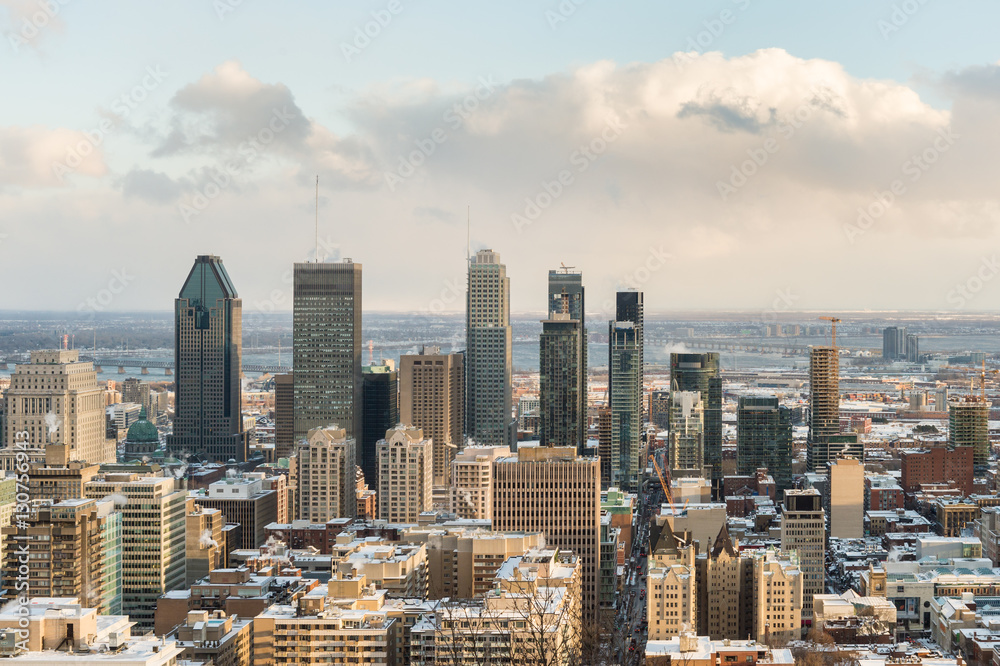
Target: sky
[[761, 155]]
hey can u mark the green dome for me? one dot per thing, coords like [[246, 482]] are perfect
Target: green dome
[[142, 430]]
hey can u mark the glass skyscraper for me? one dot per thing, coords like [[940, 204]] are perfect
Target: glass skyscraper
[[625, 369]]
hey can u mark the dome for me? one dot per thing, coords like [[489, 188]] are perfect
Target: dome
[[142, 430]]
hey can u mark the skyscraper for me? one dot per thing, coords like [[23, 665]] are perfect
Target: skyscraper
[[560, 379], [687, 434], [825, 443], [208, 344], [406, 475], [326, 346], [700, 372], [284, 413], [566, 281], [894, 343], [625, 396], [432, 398], [968, 425], [379, 412], [327, 476], [764, 439], [489, 420], [803, 530], [558, 492]]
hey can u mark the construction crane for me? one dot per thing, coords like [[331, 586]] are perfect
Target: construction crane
[[665, 486], [981, 372], [834, 321]]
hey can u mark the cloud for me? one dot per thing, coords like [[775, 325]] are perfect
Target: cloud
[[37, 156], [152, 186]]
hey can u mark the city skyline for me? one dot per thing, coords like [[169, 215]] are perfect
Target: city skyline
[[853, 117]]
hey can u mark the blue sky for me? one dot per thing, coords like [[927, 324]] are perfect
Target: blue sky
[[356, 114]]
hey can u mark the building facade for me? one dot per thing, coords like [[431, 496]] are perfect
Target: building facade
[[379, 412], [406, 475], [764, 439], [432, 398], [803, 531], [327, 486], [701, 372]]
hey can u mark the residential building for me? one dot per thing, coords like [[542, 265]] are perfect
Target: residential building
[[74, 549], [406, 474], [379, 412], [825, 442], [284, 415], [555, 491], [205, 545], [847, 496], [215, 638], [326, 346], [686, 441], [659, 409], [327, 481], [567, 403], [968, 425], [472, 481], [625, 399], [55, 400], [208, 346], [939, 464], [137, 391], [488, 352]]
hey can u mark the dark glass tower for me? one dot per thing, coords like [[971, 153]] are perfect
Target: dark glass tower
[[764, 439], [208, 420], [700, 372], [563, 358], [625, 371], [326, 347], [380, 412]]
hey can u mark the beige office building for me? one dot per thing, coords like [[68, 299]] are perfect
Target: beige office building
[[803, 531], [406, 481], [205, 545], [326, 475], [847, 499], [557, 492], [58, 480], [432, 397], [55, 399], [777, 597], [472, 481], [153, 538]]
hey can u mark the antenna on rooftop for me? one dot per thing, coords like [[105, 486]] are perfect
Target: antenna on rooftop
[[317, 219], [468, 234]]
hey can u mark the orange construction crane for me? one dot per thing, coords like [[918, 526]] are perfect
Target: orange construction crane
[[834, 321], [665, 486]]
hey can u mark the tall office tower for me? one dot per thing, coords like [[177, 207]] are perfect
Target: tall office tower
[[406, 475], [56, 400], [764, 439], [604, 446], [326, 475], [488, 347], [153, 539], [205, 546], [803, 530], [625, 398], [78, 545], [847, 499], [472, 481], [564, 281], [379, 412], [894, 343], [432, 398], [326, 346], [284, 415], [968, 425], [659, 409], [208, 344], [243, 500], [134, 390], [824, 405], [555, 491], [562, 414], [686, 442], [701, 372], [912, 348]]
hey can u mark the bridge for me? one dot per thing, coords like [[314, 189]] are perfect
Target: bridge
[[144, 364]]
